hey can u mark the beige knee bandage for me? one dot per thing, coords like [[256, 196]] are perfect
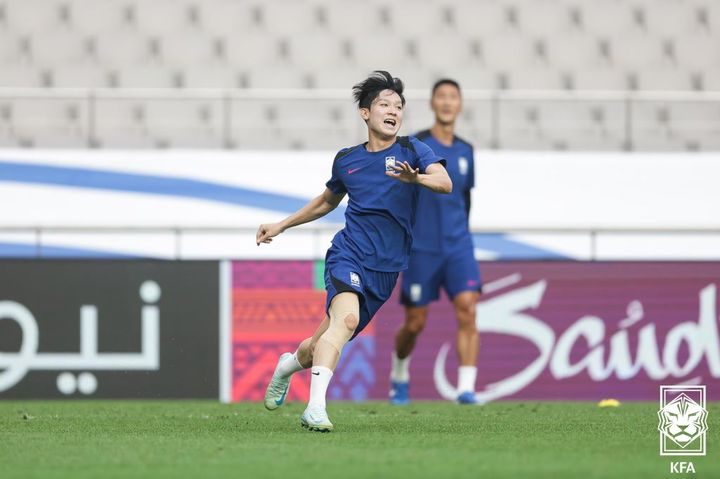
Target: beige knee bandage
[[344, 318]]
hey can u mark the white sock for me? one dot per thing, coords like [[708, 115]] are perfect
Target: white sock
[[318, 386], [289, 366], [400, 371], [466, 379]]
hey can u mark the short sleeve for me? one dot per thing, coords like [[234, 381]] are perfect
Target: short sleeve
[[335, 184], [426, 156]]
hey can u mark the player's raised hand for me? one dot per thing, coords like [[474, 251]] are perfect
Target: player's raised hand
[[265, 233], [404, 173]]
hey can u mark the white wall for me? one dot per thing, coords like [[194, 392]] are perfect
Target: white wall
[[514, 191]]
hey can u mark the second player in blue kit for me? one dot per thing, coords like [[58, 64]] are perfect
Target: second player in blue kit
[[442, 253]]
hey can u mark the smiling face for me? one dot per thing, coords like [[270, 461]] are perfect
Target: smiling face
[[446, 103], [385, 115]]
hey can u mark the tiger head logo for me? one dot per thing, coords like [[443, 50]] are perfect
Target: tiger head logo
[[682, 420]]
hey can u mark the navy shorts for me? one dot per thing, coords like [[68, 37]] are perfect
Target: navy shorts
[[343, 273], [456, 271]]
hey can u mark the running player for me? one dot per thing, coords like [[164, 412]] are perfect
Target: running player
[[442, 253], [381, 178]]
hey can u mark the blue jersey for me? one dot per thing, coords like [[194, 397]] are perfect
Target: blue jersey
[[381, 210], [443, 219]]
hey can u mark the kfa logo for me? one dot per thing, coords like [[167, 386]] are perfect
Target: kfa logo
[[682, 421], [389, 163]]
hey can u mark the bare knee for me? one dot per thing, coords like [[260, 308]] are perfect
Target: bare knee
[[415, 321], [465, 310]]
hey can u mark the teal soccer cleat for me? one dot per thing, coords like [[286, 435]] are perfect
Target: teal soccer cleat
[[278, 388]]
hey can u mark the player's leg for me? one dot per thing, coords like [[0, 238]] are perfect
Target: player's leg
[[289, 364], [419, 287], [462, 283], [344, 317], [468, 342], [405, 338]]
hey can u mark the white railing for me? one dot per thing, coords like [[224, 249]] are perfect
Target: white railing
[[489, 119], [311, 242]]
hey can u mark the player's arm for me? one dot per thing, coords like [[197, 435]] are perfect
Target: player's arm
[[316, 208], [435, 177]]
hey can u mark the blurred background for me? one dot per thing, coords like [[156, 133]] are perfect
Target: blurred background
[[134, 131], [539, 75]]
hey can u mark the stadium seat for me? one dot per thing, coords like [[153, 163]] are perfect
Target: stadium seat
[[434, 18], [190, 49], [573, 52], [147, 76], [660, 125], [540, 78], [278, 77], [220, 75], [20, 76], [244, 50], [31, 16], [481, 18], [81, 75], [666, 78], [609, 18], [638, 51], [160, 123], [224, 17], [508, 52], [50, 49], [50, 121], [160, 17], [395, 51], [351, 18], [445, 52], [580, 45], [600, 78], [9, 47], [550, 125], [93, 17], [671, 18], [187, 123], [698, 51], [304, 48], [289, 17], [542, 18], [122, 48]]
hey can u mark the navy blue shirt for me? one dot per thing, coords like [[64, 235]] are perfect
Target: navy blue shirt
[[442, 223], [381, 210]]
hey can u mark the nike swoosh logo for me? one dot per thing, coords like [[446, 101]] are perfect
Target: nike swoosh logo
[[353, 170], [316, 374], [282, 398]]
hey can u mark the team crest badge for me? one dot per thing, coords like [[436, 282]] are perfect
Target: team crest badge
[[389, 163], [463, 165], [683, 420], [354, 279]]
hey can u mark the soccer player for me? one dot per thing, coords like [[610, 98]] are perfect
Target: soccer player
[[381, 178], [442, 253]]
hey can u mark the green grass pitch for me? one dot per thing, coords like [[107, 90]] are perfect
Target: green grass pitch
[[197, 439]]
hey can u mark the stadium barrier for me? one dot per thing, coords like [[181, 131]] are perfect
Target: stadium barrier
[[558, 330], [549, 331], [109, 329]]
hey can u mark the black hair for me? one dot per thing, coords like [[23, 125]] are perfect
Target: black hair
[[445, 81], [367, 90]]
